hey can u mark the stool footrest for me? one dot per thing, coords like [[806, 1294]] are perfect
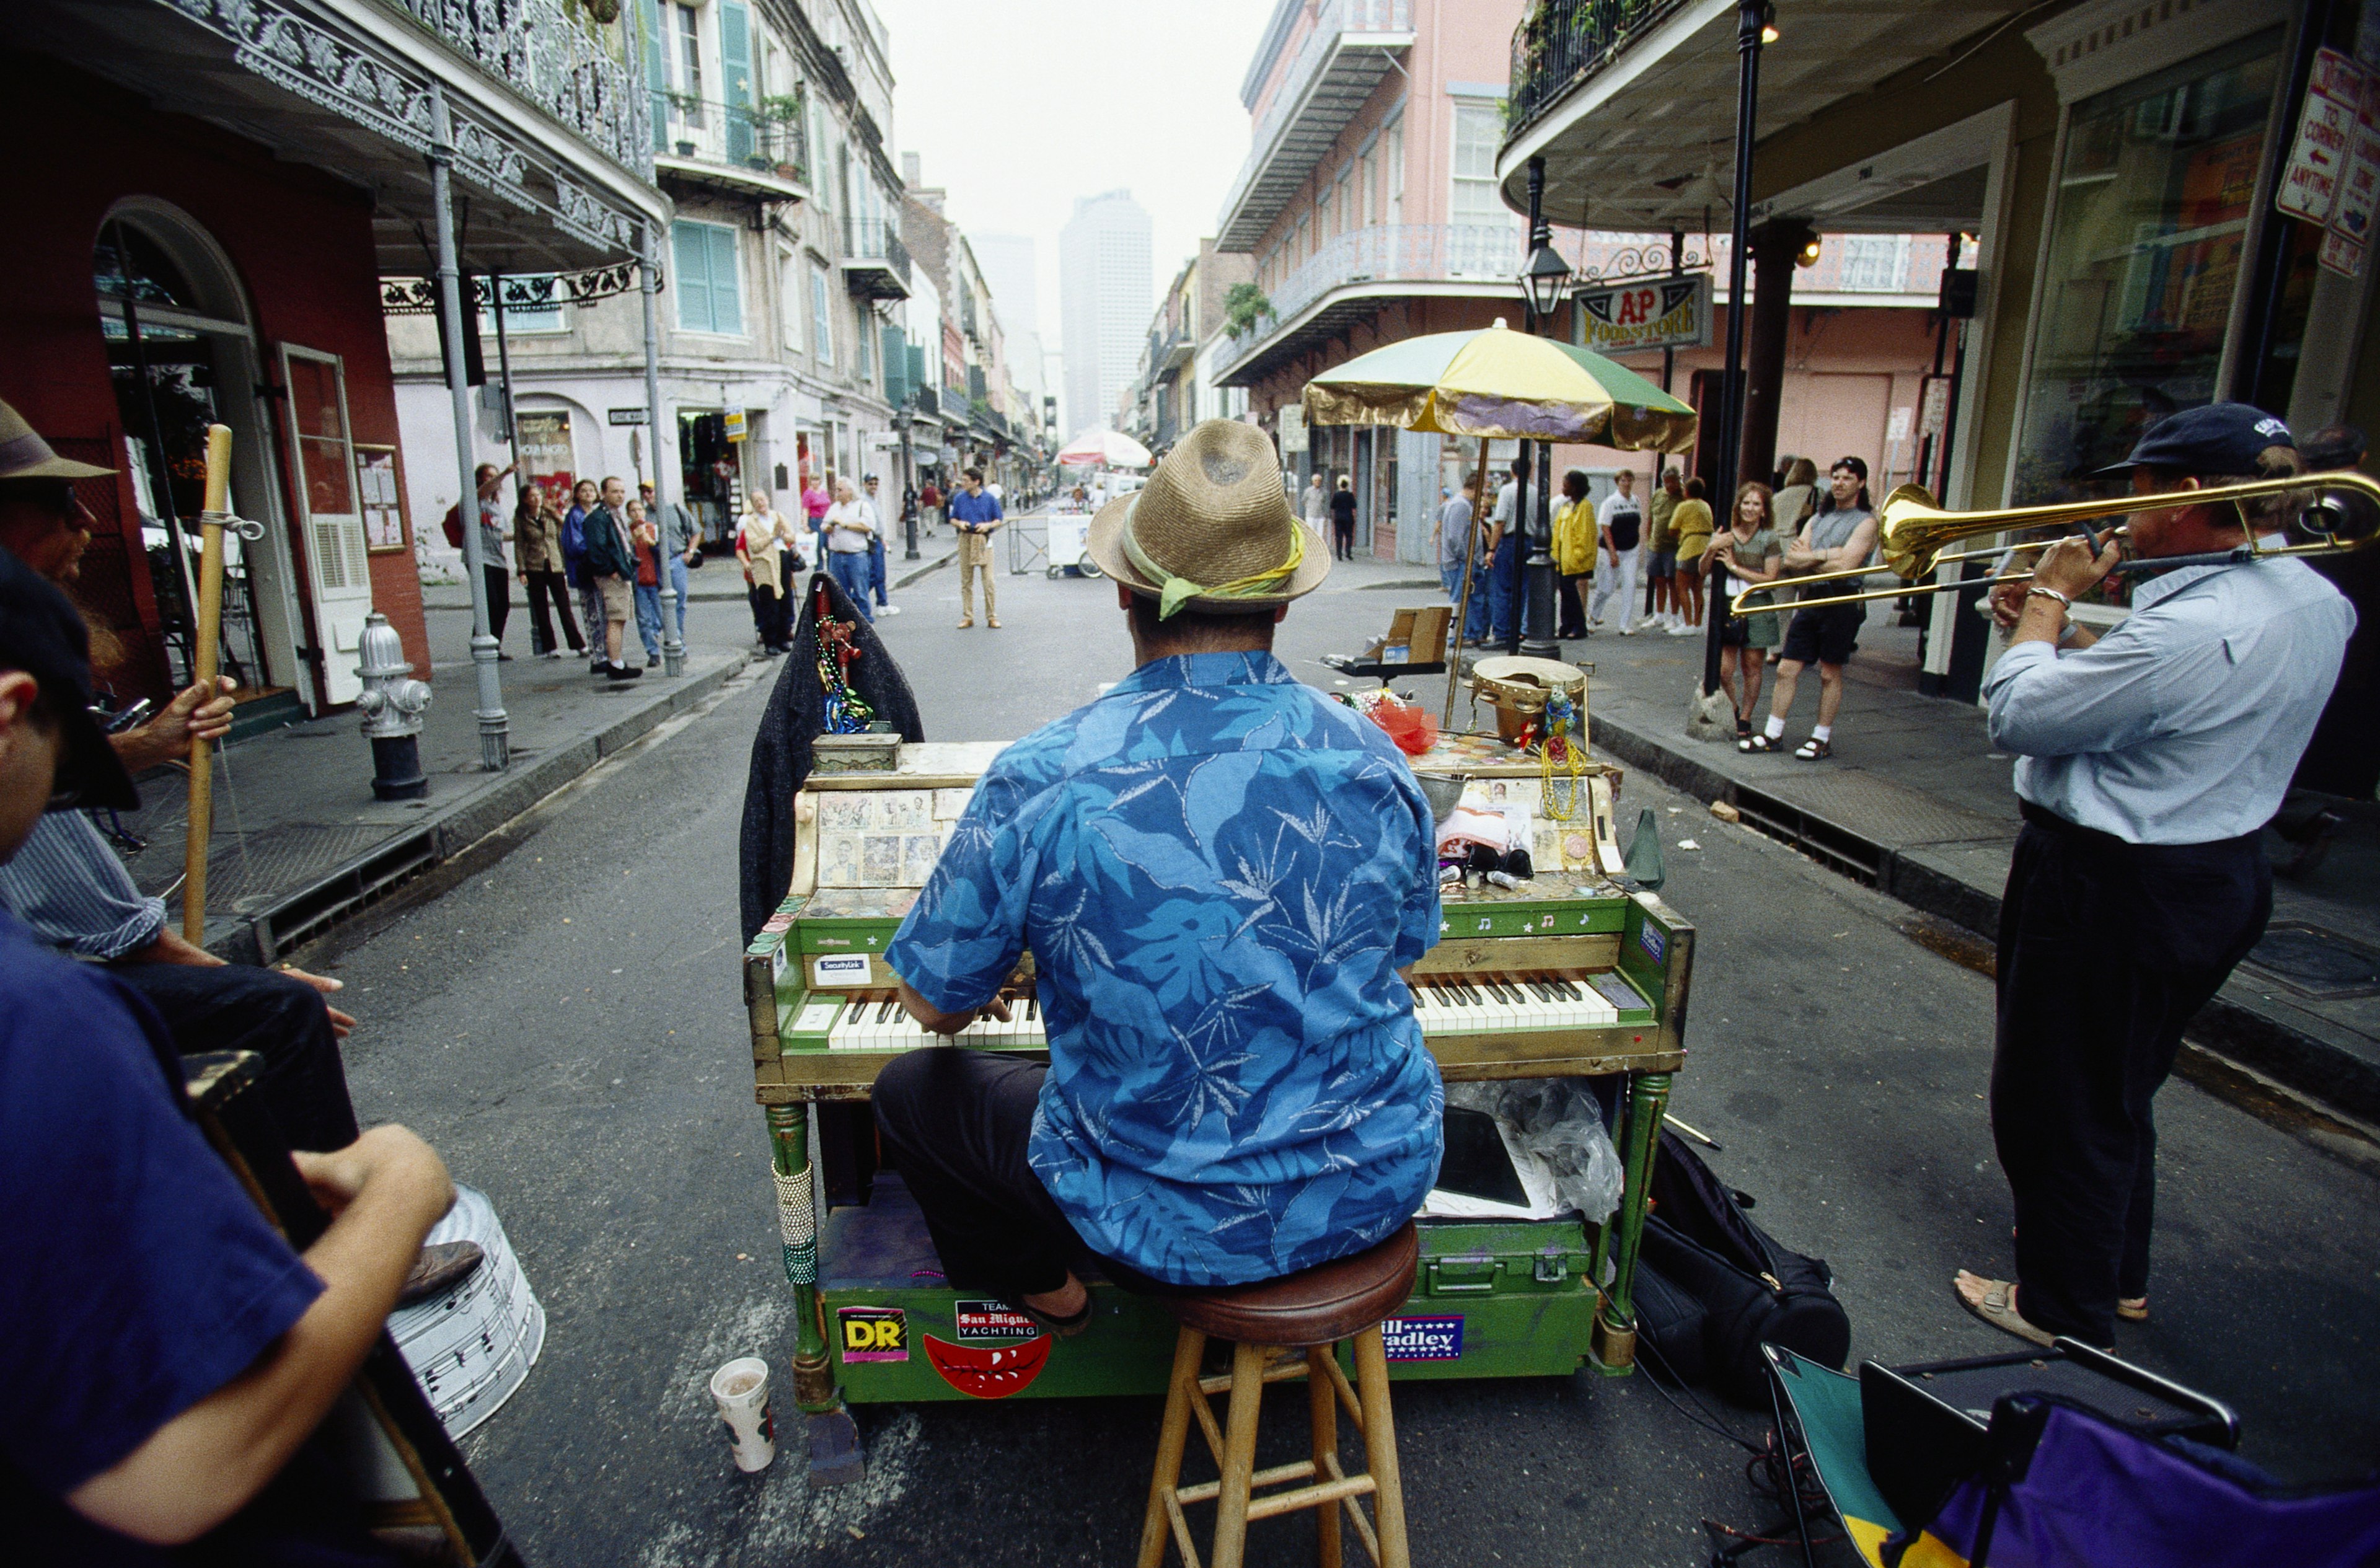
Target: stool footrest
[[1322, 1494], [1206, 1491]]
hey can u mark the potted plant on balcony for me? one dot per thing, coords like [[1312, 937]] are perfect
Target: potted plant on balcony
[[1244, 306], [783, 113], [689, 111]]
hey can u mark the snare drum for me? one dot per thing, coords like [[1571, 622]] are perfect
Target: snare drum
[[1515, 685]]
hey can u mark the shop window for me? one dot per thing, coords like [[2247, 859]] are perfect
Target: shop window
[[707, 296], [2147, 241]]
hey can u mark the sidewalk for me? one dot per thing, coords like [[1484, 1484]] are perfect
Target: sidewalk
[[298, 840], [1915, 803]]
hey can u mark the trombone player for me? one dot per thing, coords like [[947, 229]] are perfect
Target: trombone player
[[2149, 760]]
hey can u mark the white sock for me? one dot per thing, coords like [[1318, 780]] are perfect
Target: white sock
[[1822, 732], [1775, 729]]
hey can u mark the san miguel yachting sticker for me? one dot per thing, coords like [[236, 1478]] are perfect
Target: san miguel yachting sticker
[[874, 1334], [985, 1372], [999, 1352]]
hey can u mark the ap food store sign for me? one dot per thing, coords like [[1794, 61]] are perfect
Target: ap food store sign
[[1622, 318]]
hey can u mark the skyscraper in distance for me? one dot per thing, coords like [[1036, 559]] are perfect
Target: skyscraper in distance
[[1106, 291]]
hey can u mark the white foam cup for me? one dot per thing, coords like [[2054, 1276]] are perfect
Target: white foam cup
[[741, 1390]]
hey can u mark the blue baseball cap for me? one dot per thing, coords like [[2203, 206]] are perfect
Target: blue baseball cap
[[2220, 438]]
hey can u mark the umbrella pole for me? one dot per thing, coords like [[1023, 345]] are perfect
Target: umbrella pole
[[1462, 604]]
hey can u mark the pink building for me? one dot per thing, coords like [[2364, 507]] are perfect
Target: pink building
[[1370, 208]]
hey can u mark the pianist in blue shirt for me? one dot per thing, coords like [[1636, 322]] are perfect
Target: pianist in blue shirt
[[1219, 873], [2149, 760]]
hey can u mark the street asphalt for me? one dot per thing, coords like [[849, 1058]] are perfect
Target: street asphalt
[[559, 1014]]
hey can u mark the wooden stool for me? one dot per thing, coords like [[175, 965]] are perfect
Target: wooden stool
[[1310, 1311]]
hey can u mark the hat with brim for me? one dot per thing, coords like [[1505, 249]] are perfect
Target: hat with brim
[[1212, 530], [43, 635], [2215, 438], [25, 455]]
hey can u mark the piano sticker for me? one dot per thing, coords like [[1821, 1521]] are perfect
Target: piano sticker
[[874, 1334], [1423, 1339], [992, 1322], [989, 1371], [838, 969], [1653, 941]]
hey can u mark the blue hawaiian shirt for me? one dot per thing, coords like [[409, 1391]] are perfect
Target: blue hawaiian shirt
[[1219, 872]]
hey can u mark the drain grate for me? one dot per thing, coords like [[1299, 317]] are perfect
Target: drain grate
[[2316, 963]]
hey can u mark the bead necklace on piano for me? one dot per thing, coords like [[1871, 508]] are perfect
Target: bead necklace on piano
[[1561, 748]]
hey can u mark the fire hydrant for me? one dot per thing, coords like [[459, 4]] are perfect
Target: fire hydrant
[[393, 703]]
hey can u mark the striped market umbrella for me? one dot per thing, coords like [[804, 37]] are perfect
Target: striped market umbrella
[[1113, 449], [1501, 383]]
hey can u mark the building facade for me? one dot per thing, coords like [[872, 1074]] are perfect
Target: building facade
[[1169, 393], [222, 261], [780, 322], [1105, 286], [2117, 167]]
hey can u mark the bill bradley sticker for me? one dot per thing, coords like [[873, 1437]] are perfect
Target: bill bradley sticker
[[1651, 940], [874, 1334], [992, 1322], [1423, 1339]]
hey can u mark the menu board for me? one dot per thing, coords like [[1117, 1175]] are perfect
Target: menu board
[[382, 498]]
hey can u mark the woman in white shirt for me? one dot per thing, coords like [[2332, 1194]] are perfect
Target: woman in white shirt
[[850, 526]]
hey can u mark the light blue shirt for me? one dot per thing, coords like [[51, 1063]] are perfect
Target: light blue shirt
[[2183, 725], [1219, 871]]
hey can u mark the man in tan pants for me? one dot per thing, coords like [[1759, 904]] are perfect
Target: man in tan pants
[[974, 513]]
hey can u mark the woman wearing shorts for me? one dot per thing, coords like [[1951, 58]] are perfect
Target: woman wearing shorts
[[1745, 555]]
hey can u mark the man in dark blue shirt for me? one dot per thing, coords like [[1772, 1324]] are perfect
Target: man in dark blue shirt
[[164, 1354]]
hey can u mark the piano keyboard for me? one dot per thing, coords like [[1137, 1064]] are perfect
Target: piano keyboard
[[1443, 1004], [875, 1020]]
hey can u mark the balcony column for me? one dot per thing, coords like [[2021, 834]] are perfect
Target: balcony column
[[1775, 254], [673, 612], [495, 726], [1751, 15]]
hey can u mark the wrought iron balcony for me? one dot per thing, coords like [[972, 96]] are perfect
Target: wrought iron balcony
[[556, 62], [875, 262], [733, 147], [1366, 264], [1338, 64], [1563, 41]]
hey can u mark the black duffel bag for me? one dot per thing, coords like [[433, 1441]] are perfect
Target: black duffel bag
[[1752, 1290]]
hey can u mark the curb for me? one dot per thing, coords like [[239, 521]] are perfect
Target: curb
[[260, 936], [929, 569], [2225, 1028]]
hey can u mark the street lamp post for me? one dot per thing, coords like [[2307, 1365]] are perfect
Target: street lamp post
[[1544, 281], [1750, 30]]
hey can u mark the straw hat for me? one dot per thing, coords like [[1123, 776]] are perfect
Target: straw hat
[[1213, 516], [25, 455]]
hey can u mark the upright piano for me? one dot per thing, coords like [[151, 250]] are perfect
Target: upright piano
[[1568, 973]]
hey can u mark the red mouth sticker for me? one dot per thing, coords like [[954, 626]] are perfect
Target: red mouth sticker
[[989, 1371]]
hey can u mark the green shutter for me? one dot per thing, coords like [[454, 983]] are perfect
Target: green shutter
[[918, 382], [690, 249], [736, 61], [896, 367], [726, 300], [656, 71]]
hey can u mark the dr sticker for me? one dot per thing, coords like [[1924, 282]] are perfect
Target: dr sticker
[[873, 1334]]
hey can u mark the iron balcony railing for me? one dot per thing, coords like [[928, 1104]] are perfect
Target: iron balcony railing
[[735, 136], [876, 239], [1563, 41], [1333, 20], [556, 62], [1389, 253]]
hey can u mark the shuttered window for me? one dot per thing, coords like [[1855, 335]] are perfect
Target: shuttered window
[[707, 296]]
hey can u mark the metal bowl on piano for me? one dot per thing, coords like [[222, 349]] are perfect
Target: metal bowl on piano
[[1572, 974]]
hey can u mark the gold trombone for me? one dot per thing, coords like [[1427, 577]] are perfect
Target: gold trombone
[[1911, 534]]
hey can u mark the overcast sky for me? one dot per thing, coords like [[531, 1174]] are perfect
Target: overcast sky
[[1019, 107]]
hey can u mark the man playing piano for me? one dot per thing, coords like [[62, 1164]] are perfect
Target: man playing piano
[[1219, 873]]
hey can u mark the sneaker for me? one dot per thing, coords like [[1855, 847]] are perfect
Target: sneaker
[[652, 661], [887, 609], [1681, 629], [623, 672]]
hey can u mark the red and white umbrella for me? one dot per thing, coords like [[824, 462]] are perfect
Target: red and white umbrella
[[1104, 448]]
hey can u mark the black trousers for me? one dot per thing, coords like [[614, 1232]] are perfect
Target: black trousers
[[500, 600], [1343, 537], [1570, 611], [548, 588], [958, 1122], [240, 1007], [2107, 950]]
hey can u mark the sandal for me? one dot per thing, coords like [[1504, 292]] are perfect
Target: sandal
[[1760, 743], [1998, 1307], [1742, 732], [1065, 1327], [1814, 750], [2132, 1309]]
